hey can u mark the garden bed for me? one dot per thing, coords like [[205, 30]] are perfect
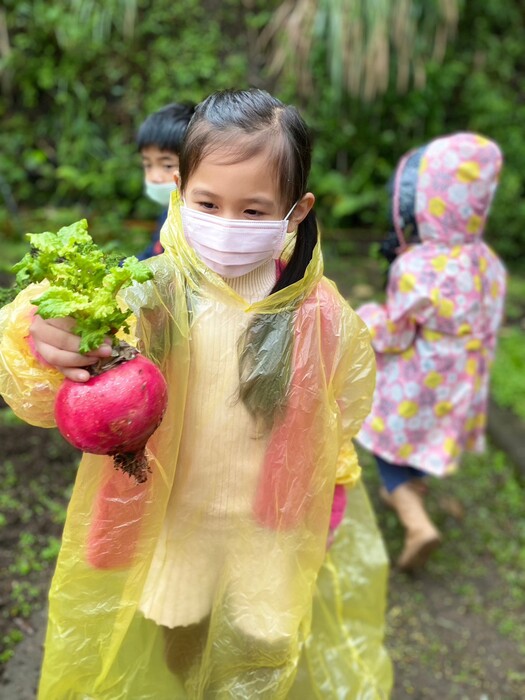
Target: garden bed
[[37, 470]]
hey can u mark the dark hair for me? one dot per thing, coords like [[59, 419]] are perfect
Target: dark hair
[[247, 122], [403, 201], [166, 127]]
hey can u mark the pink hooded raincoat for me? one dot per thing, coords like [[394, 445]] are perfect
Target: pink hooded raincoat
[[436, 334]]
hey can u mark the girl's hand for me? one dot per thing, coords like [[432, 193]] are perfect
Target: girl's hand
[[58, 346]]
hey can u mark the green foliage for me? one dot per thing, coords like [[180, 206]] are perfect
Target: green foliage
[[84, 281], [508, 371], [8, 294], [28, 558], [515, 301], [365, 43], [80, 76], [8, 643], [33, 502], [476, 88], [78, 80]]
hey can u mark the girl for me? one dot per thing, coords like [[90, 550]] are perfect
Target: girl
[[436, 334], [211, 579]]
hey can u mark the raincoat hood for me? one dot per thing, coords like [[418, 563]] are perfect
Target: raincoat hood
[[456, 181]]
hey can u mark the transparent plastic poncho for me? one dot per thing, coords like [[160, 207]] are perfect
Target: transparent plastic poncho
[[211, 580]]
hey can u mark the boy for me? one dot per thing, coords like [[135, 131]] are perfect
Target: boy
[[159, 140]]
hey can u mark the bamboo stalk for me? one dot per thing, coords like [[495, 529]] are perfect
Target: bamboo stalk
[[361, 38]]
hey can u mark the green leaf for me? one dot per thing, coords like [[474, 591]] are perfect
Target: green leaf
[[58, 302], [84, 281]]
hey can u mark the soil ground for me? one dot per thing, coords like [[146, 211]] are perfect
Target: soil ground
[[455, 631], [37, 470]]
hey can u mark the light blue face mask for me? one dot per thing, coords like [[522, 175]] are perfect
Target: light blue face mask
[[160, 192]]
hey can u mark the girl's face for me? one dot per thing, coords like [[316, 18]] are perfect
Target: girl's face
[[243, 190]]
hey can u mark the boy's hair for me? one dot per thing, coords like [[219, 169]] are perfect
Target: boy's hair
[[166, 127], [247, 122]]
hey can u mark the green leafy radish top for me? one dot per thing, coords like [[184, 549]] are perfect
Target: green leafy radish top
[[84, 281]]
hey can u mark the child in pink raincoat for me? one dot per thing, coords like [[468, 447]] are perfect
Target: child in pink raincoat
[[436, 333]]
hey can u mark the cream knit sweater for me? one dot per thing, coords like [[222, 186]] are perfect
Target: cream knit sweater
[[216, 477]]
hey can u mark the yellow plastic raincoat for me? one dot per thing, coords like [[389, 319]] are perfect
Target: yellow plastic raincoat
[[278, 616]]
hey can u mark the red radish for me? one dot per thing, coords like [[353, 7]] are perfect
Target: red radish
[[115, 412]]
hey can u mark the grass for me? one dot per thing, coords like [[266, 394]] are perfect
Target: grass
[[508, 370], [515, 306], [36, 474]]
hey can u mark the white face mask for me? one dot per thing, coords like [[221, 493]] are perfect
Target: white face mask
[[233, 247], [160, 192]]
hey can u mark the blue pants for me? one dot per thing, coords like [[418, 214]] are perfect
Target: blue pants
[[393, 475]]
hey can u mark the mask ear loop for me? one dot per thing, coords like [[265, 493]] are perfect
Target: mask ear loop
[[290, 212], [395, 204]]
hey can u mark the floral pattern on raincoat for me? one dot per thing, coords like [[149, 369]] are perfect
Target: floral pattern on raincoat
[[435, 335], [324, 611]]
